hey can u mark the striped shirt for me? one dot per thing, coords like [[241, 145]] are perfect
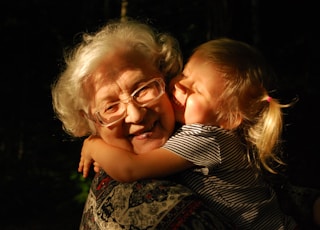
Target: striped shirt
[[225, 179]]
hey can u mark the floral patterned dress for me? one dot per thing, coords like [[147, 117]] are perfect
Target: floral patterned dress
[[145, 204]]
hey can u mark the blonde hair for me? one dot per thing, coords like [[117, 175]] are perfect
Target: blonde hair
[[245, 100], [69, 96]]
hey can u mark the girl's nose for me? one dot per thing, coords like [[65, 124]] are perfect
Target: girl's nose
[[180, 87], [179, 83], [180, 93], [135, 113]]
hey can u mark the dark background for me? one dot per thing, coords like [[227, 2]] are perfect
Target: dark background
[[40, 186]]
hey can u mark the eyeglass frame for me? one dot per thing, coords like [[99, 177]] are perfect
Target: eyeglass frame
[[98, 118]]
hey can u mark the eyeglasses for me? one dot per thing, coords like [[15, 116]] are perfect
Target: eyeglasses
[[146, 94]]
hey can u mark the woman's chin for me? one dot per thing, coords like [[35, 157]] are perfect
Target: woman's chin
[[141, 147]]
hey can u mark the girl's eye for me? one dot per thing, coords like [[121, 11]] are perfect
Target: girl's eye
[[197, 90]]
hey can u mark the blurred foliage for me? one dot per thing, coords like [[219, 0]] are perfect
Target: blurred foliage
[[40, 161]]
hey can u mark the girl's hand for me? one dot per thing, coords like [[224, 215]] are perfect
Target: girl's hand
[[86, 159], [96, 167]]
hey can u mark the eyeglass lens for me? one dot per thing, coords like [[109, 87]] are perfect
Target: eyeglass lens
[[144, 95]]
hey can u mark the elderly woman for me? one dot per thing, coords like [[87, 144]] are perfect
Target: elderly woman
[[113, 86]]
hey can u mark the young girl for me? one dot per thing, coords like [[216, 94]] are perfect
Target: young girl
[[232, 128]]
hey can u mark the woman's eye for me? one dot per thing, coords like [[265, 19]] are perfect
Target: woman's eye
[[112, 108], [142, 92]]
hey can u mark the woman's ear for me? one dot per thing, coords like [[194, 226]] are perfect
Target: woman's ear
[[91, 122], [86, 116], [83, 114]]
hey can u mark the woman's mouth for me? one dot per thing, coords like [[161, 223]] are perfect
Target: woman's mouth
[[145, 133]]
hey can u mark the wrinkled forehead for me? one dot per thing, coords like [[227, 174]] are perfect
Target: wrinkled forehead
[[123, 59], [124, 66]]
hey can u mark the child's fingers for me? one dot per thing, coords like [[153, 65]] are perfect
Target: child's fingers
[[96, 167], [84, 166], [85, 170], [81, 164]]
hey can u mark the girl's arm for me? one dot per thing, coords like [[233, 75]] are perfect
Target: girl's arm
[[126, 166], [91, 144]]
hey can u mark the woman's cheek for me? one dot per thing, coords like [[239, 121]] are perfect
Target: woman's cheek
[[115, 137], [166, 113]]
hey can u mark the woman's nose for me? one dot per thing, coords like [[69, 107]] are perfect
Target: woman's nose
[[135, 113]]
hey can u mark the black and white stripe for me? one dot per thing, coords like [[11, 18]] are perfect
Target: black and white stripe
[[229, 185]]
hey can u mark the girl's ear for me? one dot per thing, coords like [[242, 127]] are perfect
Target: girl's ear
[[235, 120], [238, 120]]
